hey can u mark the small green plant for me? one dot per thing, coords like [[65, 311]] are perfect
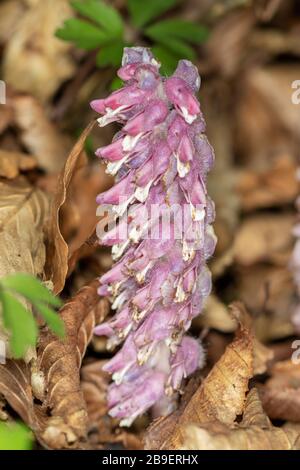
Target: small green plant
[[18, 320], [103, 27], [15, 436]]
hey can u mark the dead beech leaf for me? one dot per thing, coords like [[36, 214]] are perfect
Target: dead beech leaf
[[280, 395], [254, 414], [57, 249], [216, 436], [39, 135], [259, 239], [35, 54], [24, 211], [23, 214], [255, 432], [276, 185], [11, 163], [16, 389], [61, 420], [222, 394], [60, 361]]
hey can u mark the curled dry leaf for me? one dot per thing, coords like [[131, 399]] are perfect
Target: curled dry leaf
[[255, 432], [221, 396], [11, 163], [60, 361], [281, 393], [57, 250], [39, 135], [15, 388], [60, 421], [35, 54], [258, 239]]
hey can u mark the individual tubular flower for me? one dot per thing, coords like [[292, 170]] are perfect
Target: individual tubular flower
[[163, 234]]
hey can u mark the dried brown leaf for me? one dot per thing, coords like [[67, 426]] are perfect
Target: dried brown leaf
[[57, 249], [60, 361], [16, 389], [24, 211], [254, 433], [61, 420], [216, 436]]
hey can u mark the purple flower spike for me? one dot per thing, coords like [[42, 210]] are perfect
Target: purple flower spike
[[161, 235]]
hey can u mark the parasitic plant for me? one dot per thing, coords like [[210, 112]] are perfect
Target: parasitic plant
[[162, 235]]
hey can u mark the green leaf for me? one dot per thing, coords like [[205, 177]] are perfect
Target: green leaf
[[15, 437], [116, 84], [144, 11], [19, 322], [83, 34], [166, 58], [101, 13], [179, 48], [30, 288], [111, 54], [180, 29], [52, 319]]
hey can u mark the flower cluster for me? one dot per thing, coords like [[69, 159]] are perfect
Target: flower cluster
[[159, 282]]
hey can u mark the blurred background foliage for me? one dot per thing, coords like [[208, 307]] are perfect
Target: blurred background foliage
[[170, 39]]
